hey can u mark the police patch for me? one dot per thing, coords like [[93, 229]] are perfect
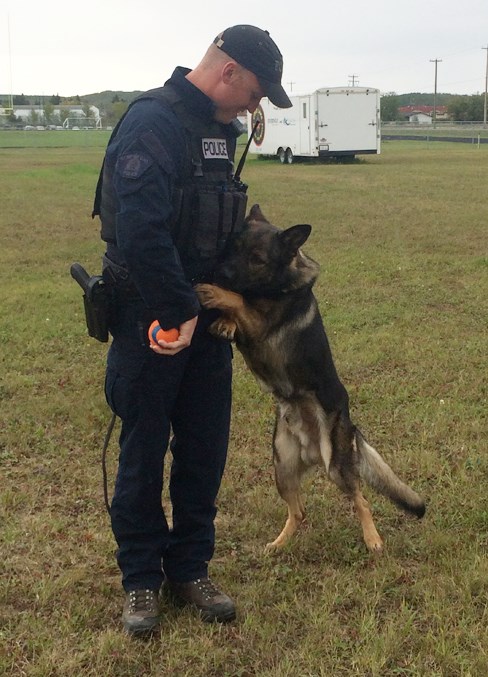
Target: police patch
[[215, 149], [133, 165]]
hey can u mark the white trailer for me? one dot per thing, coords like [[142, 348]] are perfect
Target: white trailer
[[330, 122]]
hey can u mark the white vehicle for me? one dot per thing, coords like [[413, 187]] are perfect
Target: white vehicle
[[330, 122]]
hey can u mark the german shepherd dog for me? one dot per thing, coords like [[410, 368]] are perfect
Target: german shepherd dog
[[268, 307]]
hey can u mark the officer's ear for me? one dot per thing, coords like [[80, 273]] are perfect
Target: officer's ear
[[230, 71]]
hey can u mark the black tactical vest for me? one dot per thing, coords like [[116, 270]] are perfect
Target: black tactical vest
[[208, 204]]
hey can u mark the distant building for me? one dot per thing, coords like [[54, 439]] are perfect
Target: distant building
[[70, 115], [423, 114]]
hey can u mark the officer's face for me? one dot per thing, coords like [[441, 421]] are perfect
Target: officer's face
[[243, 92]]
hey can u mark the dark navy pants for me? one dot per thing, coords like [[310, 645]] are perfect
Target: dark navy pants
[[188, 396]]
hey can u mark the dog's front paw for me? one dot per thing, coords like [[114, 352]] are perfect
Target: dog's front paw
[[207, 295], [223, 328], [212, 296]]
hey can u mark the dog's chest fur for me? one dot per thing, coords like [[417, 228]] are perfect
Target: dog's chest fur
[[273, 352]]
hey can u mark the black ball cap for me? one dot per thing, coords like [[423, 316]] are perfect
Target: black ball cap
[[254, 49]]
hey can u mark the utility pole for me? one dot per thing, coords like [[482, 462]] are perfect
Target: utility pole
[[11, 97], [434, 117], [352, 80], [291, 86], [486, 87]]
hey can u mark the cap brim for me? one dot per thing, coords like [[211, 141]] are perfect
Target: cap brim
[[275, 93]]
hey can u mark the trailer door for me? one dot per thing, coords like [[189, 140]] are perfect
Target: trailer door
[[304, 117], [348, 120]]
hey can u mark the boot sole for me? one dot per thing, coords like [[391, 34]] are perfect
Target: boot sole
[[141, 631]]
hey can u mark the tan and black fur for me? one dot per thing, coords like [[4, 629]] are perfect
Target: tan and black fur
[[268, 307]]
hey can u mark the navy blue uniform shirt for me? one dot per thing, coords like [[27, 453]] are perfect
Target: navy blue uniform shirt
[[147, 155]]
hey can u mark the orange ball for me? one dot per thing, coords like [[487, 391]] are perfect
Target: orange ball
[[156, 333]]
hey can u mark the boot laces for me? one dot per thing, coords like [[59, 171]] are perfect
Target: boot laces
[[141, 600], [207, 588]]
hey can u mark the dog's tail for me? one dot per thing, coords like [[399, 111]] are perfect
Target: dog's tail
[[377, 474]]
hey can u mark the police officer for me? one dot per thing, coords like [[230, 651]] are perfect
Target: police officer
[[168, 203]]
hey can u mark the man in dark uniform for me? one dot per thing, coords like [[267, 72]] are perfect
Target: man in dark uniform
[[168, 203]]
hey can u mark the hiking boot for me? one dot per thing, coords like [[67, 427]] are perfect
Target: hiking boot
[[212, 604], [141, 612]]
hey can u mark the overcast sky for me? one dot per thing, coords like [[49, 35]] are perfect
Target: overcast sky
[[81, 47]]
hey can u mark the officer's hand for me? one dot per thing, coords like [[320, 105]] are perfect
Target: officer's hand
[[184, 339]]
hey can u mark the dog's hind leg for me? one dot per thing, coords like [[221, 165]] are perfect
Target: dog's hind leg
[[371, 536], [350, 486], [289, 469], [344, 472]]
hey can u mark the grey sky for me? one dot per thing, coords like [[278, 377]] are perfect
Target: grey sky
[[85, 47]]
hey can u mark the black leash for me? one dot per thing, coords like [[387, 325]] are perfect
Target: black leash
[[106, 442], [237, 175]]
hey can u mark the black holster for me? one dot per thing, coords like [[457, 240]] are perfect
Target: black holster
[[97, 301]]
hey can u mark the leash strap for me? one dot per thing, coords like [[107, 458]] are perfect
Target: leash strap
[[240, 166]]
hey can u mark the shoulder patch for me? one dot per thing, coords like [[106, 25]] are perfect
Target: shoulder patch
[[133, 165]]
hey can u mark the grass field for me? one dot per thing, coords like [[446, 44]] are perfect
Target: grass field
[[402, 243], [471, 133]]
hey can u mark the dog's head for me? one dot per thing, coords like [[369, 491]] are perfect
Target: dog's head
[[264, 260]]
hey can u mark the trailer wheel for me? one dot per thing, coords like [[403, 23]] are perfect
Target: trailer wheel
[[288, 156], [281, 155]]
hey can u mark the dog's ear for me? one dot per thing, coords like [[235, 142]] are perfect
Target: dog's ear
[[255, 214], [292, 239]]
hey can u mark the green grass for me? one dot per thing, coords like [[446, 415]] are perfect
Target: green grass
[[66, 138], [401, 239], [470, 131]]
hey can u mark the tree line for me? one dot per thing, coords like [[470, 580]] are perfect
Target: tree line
[[459, 107]]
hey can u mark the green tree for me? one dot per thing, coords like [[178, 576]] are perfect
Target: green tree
[[64, 114], [115, 111], [389, 107], [33, 117], [48, 113], [475, 107], [86, 108], [21, 100], [468, 108]]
